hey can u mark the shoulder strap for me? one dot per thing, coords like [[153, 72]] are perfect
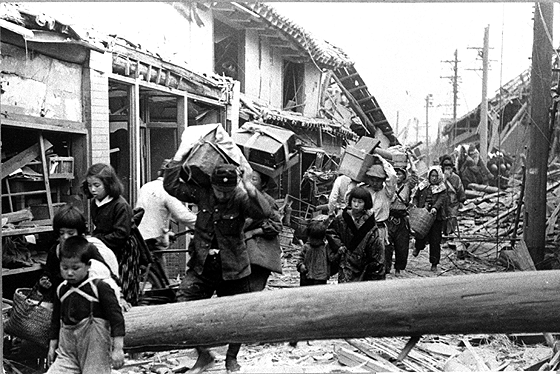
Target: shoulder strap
[[82, 293], [399, 196]]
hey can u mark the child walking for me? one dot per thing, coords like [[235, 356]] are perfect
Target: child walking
[[112, 219], [110, 212], [87, 335], [312, 261], [67, 222], [356, 242]]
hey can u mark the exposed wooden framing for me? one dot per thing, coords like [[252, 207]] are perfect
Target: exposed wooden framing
[[46, 178], [148, 76], [137, 72], [158, 77], [134, 121], [147, 59], [168, 79], [171, 125], [120, 64]]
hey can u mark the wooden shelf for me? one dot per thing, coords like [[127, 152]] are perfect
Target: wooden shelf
[[26, 230], [27, 269]]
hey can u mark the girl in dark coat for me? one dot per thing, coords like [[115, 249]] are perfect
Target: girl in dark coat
[[112, 219], [354, 240], [432, 195]]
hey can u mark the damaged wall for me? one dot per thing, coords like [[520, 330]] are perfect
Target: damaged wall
[[312, 87], [40, 86], [263, 70]]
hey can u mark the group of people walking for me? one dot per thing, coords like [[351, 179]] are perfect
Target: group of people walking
[[368, 229], [93, 279]]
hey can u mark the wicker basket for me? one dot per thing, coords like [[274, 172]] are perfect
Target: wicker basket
[[421, 222], [29, 318], [286, 236], [175, 264]]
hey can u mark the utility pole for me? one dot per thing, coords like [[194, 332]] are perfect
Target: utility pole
[[484, 104], [455, 85], [428, 104], [534, 222]]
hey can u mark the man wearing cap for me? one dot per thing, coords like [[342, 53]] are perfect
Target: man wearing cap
[[380, 181], [397, 224], [219, 259]]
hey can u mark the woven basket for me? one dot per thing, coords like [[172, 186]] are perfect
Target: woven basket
[[421, 222], [29, 319]]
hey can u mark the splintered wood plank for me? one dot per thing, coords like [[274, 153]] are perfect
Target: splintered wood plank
[[23, 158]]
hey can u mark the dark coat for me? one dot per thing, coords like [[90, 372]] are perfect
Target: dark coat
[[366, 261], [113, 223], [217, 222]]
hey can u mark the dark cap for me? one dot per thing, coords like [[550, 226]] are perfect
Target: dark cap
[[447, 162], [224, 177]]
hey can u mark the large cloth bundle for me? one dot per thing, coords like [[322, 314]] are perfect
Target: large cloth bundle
[[206, 146], [30, 319], [421, 221]]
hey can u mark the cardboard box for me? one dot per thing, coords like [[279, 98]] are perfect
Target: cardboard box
[[355, 162], [269, 149]]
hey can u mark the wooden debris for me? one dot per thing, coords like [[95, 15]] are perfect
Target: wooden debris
[[368, 351], [352, 359], [18, 216]]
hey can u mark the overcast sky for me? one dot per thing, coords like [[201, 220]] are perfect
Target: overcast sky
[[399, 50]]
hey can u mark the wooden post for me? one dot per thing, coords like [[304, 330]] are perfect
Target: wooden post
[[484, 104], [509, 302], [534, 224]]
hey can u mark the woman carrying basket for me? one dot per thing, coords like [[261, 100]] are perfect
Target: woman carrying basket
[[431, 194]]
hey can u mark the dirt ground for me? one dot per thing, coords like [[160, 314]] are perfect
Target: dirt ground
[[432, 353]]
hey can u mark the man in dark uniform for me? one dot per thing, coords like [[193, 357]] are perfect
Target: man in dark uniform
[[219, 259]]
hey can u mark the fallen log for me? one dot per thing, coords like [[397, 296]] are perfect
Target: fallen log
[[484, 303]]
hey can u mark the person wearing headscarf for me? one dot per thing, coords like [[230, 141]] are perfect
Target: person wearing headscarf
[[473, 168], [432, 195]]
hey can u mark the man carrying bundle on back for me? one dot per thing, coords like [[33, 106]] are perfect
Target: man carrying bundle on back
[[219, 259]]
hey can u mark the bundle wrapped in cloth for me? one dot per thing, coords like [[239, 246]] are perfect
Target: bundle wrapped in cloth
[[203, 148]]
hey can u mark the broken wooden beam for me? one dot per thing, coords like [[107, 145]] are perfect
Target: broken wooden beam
[[508, 302], [23, 158]]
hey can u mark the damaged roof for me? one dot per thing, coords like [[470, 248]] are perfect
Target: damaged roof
[[294, 39], [60, 40]]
